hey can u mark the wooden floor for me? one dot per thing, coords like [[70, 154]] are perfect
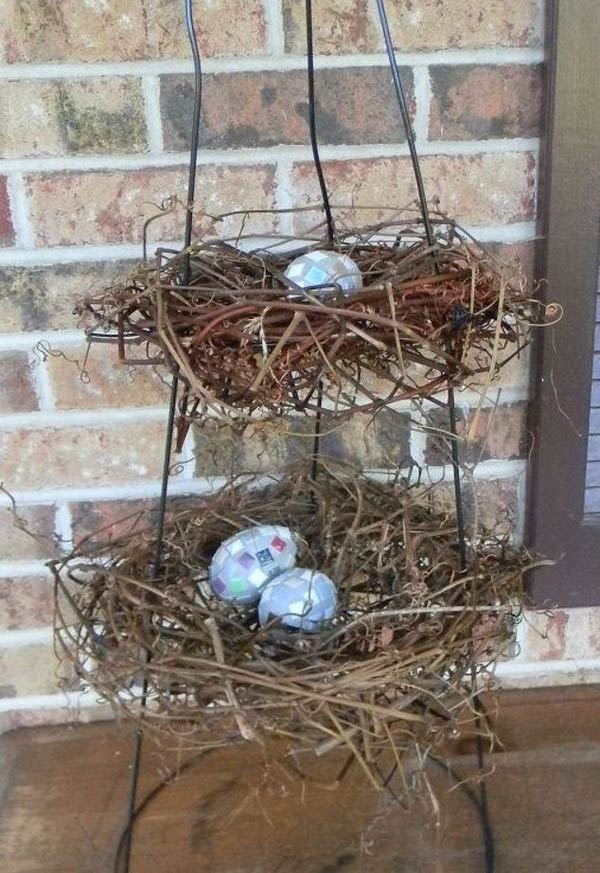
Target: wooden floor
[[64, 794]]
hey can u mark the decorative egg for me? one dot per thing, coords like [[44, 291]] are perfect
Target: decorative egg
[[299, 598], [328, 268], [246, 561]]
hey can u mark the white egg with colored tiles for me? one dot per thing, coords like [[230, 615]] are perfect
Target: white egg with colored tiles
[[246, 561]]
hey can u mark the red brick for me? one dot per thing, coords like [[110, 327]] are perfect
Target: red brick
[[30, 536], [101, 380], [127, 30], [485, 102], [45, 458], [267, 446], [583, 633], [498, 434], [16, 388], [544, 636], [521, 256], [99, 116], [41, 298], [26, 603], [446, 24], [111, 207], [69, 116], [28, 122], [28, 670], [7, 233], [489, 504], [64, 713], [340, 26], [474, 189], [564, 634], [246, 110], [101, 521], [344, 26]]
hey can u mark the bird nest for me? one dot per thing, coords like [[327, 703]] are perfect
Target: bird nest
[[394, 669], [246, 340]]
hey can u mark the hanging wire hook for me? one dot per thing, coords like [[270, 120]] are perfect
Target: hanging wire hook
[[403, 106], [312, 121]]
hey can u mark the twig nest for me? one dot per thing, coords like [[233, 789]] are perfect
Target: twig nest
[[390, 669], [245, 344]]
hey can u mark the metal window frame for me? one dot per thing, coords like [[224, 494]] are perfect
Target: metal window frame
[[569, 261]]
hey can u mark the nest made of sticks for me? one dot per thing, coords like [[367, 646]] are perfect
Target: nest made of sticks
[[393, 670], [246, 340]]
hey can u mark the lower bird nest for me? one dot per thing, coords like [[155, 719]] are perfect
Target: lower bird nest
[[392, 669], [245, 337]]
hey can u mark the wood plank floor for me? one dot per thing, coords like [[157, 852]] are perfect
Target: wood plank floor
[[64, 790]]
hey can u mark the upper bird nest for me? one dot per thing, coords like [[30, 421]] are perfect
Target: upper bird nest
[[392, 669], [245, 340]]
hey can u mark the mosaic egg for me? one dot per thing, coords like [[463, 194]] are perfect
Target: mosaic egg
[[299, 598], [325, 268], [246, 561]]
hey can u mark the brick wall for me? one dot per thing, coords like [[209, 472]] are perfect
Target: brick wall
[[94, 127]]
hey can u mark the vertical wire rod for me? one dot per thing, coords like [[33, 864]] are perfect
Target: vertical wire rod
[[162, 504], [189, 23], [458, 498], [312, 121], [403, 106], [488, 839], [317, 433], [488, 836], [160, 526], [460, 521]]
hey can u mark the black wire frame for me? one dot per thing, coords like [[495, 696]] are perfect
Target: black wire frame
[[123, 858]]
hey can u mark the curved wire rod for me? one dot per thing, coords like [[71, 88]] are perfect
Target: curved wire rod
[[312, 122], [162, 503]]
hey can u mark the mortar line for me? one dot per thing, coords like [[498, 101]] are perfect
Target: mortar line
[[523, 231], [41, 382], [418, 437], [495, 469], [422, 92], [64, 419], [23, 569], [63, 526], [453, 57], [151, 92], [18, 639], [275, 34], [124, 491], [259, 155], [19, 210], [284, 195], [578, 668]]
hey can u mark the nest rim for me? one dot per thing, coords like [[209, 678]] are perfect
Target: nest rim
[[261, 347]]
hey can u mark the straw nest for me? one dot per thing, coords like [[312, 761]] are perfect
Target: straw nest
[[393, 671], [245, 340]]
